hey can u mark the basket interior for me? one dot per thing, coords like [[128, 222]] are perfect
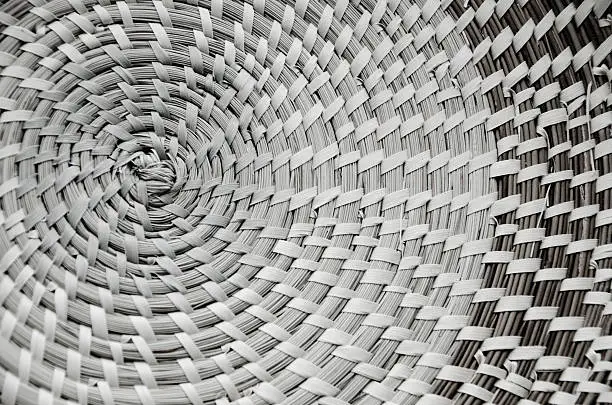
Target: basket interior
[[305, 202]]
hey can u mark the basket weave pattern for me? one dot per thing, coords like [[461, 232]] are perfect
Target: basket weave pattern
[[375, 202]]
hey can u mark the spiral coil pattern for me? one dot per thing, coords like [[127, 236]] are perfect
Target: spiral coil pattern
[[305, 202]]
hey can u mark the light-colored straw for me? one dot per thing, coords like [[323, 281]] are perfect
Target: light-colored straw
[[369, 202]]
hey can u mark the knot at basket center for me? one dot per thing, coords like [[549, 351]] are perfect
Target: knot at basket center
[[154, 179]]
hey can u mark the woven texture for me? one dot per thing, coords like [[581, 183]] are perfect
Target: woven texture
[[371, 202]]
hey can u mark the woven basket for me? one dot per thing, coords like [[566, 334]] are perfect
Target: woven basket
[[276, 202]]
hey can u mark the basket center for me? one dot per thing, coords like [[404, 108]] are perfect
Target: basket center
[[155, 177]]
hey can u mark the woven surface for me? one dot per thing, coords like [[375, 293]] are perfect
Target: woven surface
[[355, 202]]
